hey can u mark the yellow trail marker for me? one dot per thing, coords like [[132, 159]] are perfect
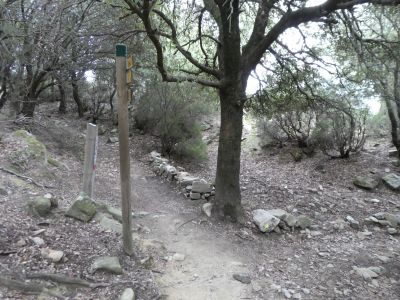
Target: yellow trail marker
[[129, 62], [129, 76]]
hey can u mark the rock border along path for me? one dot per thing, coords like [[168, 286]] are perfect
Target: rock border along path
[[201, 262]]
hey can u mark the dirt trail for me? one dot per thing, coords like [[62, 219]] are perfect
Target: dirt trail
[[210, 259]]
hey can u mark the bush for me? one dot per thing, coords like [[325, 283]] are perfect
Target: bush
[[171, 112], [193, 147], [340, 132], [289, 127]]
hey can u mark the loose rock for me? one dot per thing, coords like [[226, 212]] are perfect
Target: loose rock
[[367, 273], [41, 206], [353, 223], [265, 221], [52, 255], [201, 186], [287, 294], [185, 179], [279, 213], [82, 209], [107, 263], [128, 294], [21, 243], [112, 140], [37, 241], [243, 278], [303, 222], [195, 196], [366, 183], [178, 257], [290, 220], [392, 181], [207, 209]]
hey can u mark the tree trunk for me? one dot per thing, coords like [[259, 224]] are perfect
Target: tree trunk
[[62, 109], [75, 94], [28, 105], [396, 92], [4, 85], [228, 198], [232, 98]]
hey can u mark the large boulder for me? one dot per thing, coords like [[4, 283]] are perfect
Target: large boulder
[[82, 209], [29, 150], [366, 183], [265, 221], [392, 181]]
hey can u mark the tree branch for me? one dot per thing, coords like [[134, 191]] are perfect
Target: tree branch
[[255, 49]]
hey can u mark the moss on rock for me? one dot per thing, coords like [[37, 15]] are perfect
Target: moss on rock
[[41, 206], [30, 150], [82, 209]]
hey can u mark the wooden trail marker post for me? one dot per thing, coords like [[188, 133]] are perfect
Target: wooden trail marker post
[[124, 160], [89, 166]]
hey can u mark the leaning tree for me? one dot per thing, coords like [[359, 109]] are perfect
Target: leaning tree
[[219, 43], [374, 37]]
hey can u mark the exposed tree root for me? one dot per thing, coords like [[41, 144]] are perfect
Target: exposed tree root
[[30, 180]]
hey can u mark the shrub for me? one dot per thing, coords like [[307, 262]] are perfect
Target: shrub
[[340, 132], [171, 112], [293, 126]]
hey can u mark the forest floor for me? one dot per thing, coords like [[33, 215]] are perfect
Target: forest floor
[[182, 254]]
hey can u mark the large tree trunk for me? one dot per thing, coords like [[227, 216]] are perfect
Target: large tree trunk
[[232, 96], [28, 105], [228, 198]]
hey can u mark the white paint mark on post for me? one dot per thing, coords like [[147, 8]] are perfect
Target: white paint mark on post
[[89, 166]]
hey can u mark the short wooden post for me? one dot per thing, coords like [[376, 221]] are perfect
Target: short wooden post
[[89, 166], [123, 128]]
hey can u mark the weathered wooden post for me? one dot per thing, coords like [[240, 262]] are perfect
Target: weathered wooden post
[[123, 128], [89, 166]]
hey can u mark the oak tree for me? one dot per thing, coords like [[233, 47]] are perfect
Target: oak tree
[[222, 42]]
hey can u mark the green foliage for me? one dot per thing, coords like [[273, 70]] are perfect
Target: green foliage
[[340, 132], [171, 112], [193, 147], [378, 125]]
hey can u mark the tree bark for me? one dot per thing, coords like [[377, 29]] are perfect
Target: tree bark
[[28, 105], [62, 109], [228, 197], [75, 94], [232, 97], [396, 93], [4, 85]]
